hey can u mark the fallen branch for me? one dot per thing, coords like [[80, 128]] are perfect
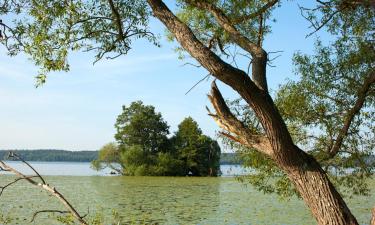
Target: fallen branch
[[52, 190]]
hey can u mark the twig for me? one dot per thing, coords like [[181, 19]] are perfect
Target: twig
[[42, 185], [14, 155], [205, 77], [47, 211]]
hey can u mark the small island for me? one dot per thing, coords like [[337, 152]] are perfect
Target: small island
[[143, 147]]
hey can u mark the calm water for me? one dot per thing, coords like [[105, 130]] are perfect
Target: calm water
[[164, 200], [84, 169]]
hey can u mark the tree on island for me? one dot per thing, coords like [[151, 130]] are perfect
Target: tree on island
[[143, 148], [207, 30], [200, 154]]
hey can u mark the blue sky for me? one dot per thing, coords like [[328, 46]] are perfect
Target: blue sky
[[77, 110]]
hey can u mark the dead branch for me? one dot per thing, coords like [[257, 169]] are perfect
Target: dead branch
[[52, 190], [2, 188], [47, 211], [235, 129], [205, 77]]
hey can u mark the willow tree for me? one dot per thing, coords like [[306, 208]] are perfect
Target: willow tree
[[47, 30]]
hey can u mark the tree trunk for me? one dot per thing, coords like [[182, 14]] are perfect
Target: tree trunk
[[325, 203]]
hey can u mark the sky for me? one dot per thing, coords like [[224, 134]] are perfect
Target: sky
[[76, 110]]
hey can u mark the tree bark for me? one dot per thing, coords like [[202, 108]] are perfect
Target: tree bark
[[313, 184]]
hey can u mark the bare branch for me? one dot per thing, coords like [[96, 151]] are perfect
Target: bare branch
[[205, 77], [236, 130], [2, 188], [47, 211], [46, 187], [14, 155]]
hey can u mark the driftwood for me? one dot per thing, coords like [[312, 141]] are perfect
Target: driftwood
[[38, 181]]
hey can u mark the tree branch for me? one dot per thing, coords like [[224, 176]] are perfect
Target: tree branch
[[256, 51], [2, 188], [47, 211], [117, 19], [46, 187], [14, 155], [208, 59], [237, 131], [361, 97], [256, 14], [259, 100]]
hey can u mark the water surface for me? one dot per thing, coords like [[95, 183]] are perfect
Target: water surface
[[165, 200]]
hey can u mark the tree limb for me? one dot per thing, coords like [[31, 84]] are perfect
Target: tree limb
[[117, 19], [361, 97], [208, 59], [256, 51], [2, 188], [259, 100], [256, 14], [46, 187], [237, 131]]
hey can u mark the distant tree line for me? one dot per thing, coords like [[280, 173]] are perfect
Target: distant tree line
[[52, 155], [144, 148]]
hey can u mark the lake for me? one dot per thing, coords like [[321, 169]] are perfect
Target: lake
[[162, 200]]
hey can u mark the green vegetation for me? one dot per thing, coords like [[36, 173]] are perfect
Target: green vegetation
[[311, 137], [329, 110], [52, 155], [230, 159], [143, 147]]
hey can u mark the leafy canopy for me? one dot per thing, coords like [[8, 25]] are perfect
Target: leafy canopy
[[47, 30], [315, 107], [332, 99], [140, 125], [143, 147]]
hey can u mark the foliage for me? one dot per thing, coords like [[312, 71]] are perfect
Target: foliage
[[199, 152], [206, 29], [141, 125], [230, 158], [143, 147], [107, 155], [48, 30], [317, 105]]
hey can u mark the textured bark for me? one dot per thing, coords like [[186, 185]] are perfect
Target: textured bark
[[326, 205], [372, 222]]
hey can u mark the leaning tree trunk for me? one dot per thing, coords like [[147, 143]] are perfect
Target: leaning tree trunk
[[313, 184]]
